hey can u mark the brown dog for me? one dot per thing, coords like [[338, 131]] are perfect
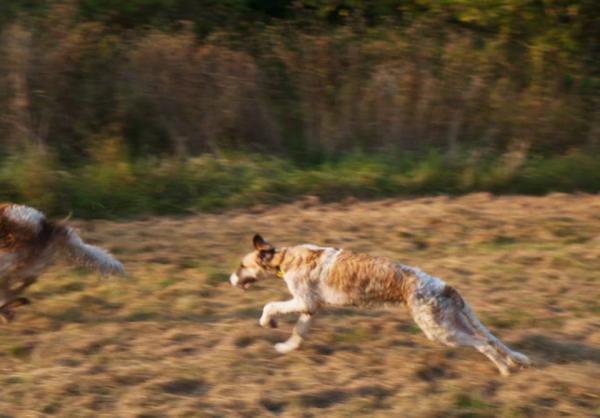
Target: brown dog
[[28, 242]]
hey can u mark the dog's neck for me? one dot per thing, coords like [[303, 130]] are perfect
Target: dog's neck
[[289, 259], [278, 259]]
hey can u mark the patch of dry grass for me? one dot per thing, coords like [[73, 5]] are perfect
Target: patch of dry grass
[[176, 340]]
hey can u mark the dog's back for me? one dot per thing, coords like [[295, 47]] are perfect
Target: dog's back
[[26, 239], [368, 280]]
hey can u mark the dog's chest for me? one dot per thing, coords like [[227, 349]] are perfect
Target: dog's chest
[[297, 285]]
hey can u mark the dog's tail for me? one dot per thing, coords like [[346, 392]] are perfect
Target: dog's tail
[[89, 255]]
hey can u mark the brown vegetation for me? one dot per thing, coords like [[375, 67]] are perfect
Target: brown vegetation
[[69, 82]]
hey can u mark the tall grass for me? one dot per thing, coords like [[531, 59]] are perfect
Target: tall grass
[[114, 186]]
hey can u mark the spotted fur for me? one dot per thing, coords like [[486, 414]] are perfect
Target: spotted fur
[[318, 277]]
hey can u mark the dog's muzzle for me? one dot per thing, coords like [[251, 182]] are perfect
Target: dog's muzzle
[[234, 279], [243, 283]]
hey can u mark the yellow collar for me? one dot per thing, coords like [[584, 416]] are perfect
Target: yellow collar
[[279, 273]]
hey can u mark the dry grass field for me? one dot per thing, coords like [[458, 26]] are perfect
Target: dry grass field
[[175, 339]]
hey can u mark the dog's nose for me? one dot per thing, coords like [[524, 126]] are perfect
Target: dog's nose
[[234, 279]]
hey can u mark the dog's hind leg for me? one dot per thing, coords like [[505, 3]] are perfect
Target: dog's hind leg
[[445, 317], [513, 358], [298, 335], [489, 351]]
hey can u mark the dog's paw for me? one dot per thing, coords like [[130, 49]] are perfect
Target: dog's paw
[[504, 371], [265, 322], [284, 348]]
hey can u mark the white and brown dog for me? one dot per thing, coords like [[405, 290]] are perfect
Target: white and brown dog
[[28, 242], [319, 277]]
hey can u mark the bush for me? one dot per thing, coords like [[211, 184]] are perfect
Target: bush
[[114, 186], [327, 78]]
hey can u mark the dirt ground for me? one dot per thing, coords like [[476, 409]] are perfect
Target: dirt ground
[[175, 339]]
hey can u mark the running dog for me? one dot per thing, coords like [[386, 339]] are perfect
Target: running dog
[[318, 277], [28, 243]]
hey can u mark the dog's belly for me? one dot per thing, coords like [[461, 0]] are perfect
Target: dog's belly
[[356, 297], [333, 297]]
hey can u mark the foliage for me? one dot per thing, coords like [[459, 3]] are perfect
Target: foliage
[[304, 78], [113, 186], [347, 97]]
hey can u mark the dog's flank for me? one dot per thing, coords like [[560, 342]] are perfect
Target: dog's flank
[[318, 277], [368, 280], [28, 244]]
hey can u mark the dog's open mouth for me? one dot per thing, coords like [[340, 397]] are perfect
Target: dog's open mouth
[[246, 282]]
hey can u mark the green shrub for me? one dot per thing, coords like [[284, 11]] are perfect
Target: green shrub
[[112, 185]]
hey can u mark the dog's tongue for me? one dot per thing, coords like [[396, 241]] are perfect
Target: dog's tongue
[[247, 285]]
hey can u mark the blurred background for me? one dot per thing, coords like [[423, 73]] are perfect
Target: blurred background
[[112, 108]]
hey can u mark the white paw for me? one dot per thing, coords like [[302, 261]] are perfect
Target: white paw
[[266, 322], [504, 371], [284, 348]]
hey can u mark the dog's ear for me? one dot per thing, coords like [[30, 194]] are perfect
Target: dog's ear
[[257, 241], [265, 250], [260, 244]]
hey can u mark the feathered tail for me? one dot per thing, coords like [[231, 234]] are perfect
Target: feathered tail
[[91, 256]]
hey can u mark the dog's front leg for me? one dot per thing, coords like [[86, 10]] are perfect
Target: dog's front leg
[[298, 335], [276, 308]]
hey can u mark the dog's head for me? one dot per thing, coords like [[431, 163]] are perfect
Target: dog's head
[[256, 265]]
